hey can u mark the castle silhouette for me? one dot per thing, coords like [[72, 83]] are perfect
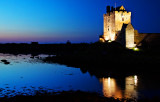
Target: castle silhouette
[[117, 27]]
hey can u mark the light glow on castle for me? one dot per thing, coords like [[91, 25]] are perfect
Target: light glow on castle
[[118, 27]]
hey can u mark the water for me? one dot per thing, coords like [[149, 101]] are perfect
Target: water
[[25, 75], [111, 88]]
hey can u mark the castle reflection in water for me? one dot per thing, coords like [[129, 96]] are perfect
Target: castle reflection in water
[[111, 88]]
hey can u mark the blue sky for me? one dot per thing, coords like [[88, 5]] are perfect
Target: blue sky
[[56, 21]]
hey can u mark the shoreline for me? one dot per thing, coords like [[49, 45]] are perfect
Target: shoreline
[[70, 96]]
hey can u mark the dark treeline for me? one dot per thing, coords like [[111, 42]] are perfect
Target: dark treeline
[[40, 48], [101, 58], [97, 58]]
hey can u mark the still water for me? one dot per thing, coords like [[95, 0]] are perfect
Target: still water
[[25, 74]]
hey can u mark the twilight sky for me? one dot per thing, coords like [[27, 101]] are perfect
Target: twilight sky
[[56, 21]]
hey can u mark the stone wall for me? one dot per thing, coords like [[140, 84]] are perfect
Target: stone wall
[[147, 39], [113, 22], [129, 36], [138, 37], [150, 39], [120, 18], [109, 26]]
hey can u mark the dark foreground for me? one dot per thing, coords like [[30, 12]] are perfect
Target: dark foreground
[[71, 96], [97, 59], [101, 58]]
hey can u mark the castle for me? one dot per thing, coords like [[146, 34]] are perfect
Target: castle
[[117, 27]]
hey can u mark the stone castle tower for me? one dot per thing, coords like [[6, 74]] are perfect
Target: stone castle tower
[[118, 27]]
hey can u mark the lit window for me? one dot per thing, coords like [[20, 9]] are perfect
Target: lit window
[[122, 18]]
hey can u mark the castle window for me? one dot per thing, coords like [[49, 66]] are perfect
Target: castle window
[[108, 28], [122, 18], [108, 20]]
